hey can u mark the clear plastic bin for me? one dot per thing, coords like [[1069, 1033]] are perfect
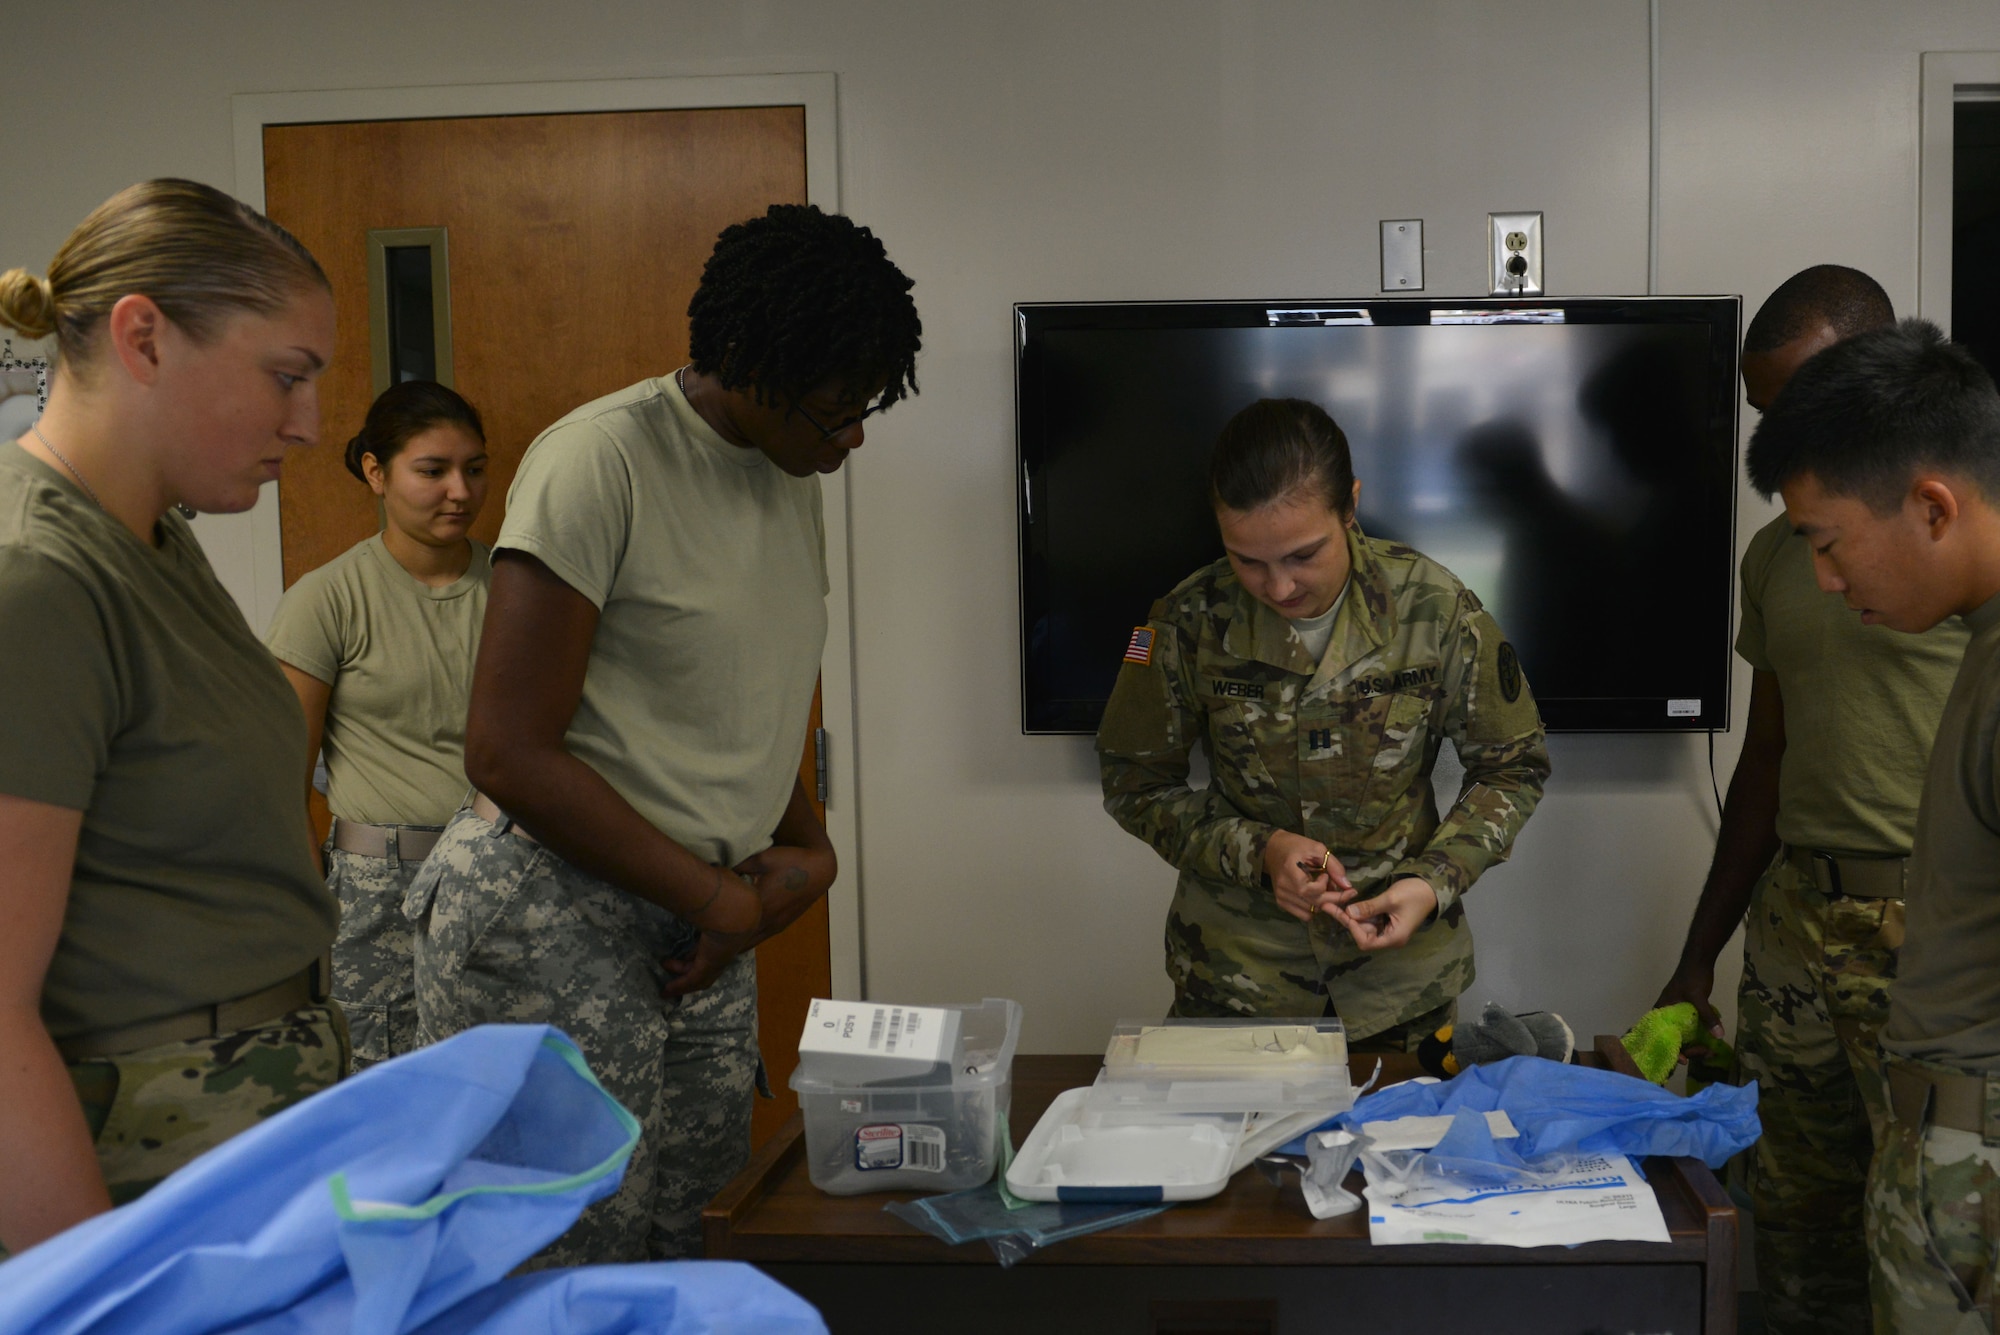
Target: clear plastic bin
[[917, 1137]]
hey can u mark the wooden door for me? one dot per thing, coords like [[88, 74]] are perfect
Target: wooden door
[[575, 244]]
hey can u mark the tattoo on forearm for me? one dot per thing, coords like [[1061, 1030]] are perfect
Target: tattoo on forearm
[[795, 879]]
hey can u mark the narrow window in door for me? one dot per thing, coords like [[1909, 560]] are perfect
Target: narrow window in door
[[409, 306], [412, 336]]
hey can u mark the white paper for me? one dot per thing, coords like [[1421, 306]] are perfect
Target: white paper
[[1239, 1047], [1421, 1133], [1600, 1198]]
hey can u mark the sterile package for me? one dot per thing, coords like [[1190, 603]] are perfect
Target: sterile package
[[1276, 1065], [937, 1133], [1588, 1198], [1329, 1157]]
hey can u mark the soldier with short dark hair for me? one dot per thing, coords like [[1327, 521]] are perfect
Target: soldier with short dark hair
[[1320, 670], [1887, 450], [644, 679], [1813, 846]]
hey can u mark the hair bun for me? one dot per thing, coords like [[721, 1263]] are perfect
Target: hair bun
[[27, 304], [357, 445]]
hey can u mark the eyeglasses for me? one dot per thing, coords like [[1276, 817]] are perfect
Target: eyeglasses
[[829, 432]]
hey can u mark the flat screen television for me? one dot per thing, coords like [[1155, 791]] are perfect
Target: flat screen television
[[1573, 461]]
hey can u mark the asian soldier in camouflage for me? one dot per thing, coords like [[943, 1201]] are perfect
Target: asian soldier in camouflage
[[373, 979], [1933, 1211], [507, 932], [1339, 750], [155, 1110]]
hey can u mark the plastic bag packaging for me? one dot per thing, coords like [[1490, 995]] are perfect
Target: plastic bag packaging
[[1566, 1109], [1563, 1199], [981, 1215], [1329, 1155]]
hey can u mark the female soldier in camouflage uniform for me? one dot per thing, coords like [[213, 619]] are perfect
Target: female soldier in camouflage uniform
[[161, 919], [378, 643], [1320, 669]]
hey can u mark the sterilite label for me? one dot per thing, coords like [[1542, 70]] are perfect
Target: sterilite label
[[895, 1145], [878, 1147]]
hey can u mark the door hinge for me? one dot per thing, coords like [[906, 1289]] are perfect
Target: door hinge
[[819, 762]]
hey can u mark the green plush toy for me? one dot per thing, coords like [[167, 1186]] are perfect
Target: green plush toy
[[1657, 1040]]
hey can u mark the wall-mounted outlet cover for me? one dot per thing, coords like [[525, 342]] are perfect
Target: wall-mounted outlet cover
[[1402, 254], [1514, 254]]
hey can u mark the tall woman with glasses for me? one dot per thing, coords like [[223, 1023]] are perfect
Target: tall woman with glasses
[[379, 643]]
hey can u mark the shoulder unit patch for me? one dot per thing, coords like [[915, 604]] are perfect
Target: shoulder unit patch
[[1508, 669], [1139, 649]]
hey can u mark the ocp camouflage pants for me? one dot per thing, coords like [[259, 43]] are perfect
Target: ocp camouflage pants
[[1231, 953], [509, 933], [154, 1110], [1933, 1227], [1814, 993], [374, 977]]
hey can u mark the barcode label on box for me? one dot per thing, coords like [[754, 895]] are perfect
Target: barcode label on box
[[1683, 709], [924, 1148], [887, 1145]]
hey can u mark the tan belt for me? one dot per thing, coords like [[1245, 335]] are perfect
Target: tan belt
[[1954, 1099], [304, 988], [407, 843], [488, 810], [1856, 878]]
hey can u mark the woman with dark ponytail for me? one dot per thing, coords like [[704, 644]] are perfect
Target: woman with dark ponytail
[[379, 643]]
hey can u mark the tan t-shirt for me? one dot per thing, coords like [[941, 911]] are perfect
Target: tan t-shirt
[[398, 654], [1945, 1003], [708, 567], [1861, 702], [136, 694]]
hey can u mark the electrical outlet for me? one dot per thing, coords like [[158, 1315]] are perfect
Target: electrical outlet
[[1514, 254]]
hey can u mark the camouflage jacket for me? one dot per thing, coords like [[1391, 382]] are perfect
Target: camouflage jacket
[[1340, 751]]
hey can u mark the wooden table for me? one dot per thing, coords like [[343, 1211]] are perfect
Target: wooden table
[[1252, 1259]]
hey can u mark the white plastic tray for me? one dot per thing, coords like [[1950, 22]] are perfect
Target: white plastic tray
[[1077, 1154]]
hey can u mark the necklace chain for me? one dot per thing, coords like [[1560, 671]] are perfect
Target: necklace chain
[[37, 429], [186, 511]]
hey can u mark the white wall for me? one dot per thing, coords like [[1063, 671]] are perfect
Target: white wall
[[1121, 149]]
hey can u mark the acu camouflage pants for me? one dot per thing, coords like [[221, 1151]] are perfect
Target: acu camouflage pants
[[374, 977], [509, 933], [1933, 1227], [1816, 974], [155, 1110]]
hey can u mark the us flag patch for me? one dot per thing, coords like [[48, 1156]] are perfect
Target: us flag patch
[[1139, 649]]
